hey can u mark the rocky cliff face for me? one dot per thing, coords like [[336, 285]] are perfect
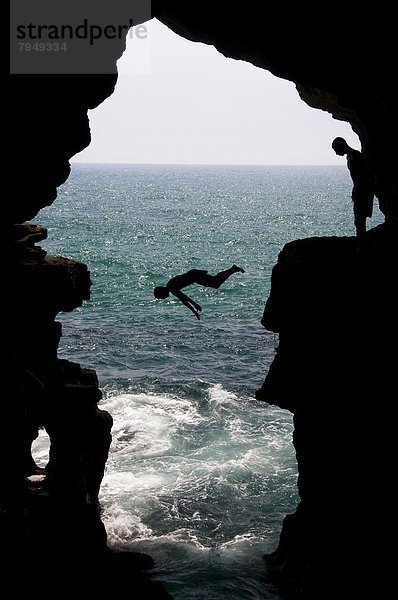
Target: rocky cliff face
[[52, 393], [336, 65], [335, 313], [52, 520]]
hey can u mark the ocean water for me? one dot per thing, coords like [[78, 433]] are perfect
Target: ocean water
[[200, 474]]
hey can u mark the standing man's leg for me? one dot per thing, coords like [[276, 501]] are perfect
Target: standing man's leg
[[360, 227]]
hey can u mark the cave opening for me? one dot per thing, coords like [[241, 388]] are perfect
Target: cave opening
[[197, 466], [204, 461]]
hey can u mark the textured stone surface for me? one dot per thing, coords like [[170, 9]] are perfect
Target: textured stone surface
[[47, 391], [52, 521], [336, 314], [341, 64], [336, 64], [320, 292]]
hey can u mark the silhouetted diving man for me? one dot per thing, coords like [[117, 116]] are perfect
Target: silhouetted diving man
[[175, 284], [363, 184]]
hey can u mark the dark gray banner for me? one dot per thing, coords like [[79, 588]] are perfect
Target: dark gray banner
[[75, 37]]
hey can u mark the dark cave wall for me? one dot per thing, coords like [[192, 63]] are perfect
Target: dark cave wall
[[337, 66], [49, 127], [336, 314], [338, 63]]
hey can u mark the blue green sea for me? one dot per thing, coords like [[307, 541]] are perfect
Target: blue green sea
[[200, 474]]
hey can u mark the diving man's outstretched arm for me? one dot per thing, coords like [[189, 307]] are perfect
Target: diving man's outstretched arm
[[188, 302]]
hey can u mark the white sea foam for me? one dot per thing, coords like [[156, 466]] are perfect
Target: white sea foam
[[239, 542], [123, 526], [142, 424], [184, 536], [180, 471], [219, 395], [133, 483], [146, 422], [40, 448]]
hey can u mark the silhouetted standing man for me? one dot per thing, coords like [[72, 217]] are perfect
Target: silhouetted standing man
[[174, 285], [363, 184]]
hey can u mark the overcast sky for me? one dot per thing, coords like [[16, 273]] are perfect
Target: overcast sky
[[182, 102]]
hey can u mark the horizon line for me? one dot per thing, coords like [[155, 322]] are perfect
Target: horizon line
[[161, 164]]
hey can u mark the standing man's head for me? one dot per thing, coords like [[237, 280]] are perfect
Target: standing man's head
[[160, 292], [340, 146]]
